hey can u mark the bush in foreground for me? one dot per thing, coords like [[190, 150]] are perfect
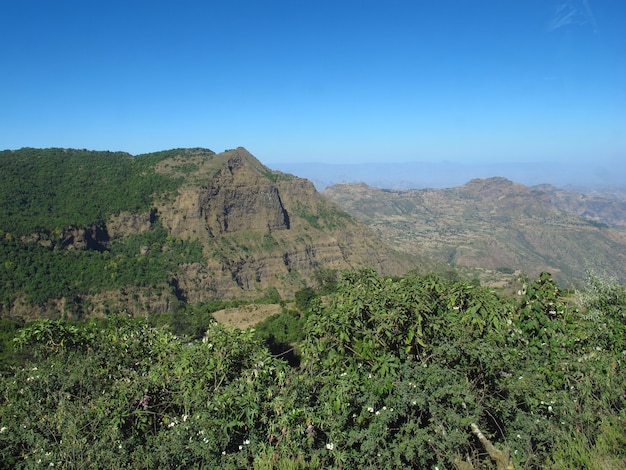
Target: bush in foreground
[[394, 373]]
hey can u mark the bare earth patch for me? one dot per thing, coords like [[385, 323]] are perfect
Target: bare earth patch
[[247, 315]]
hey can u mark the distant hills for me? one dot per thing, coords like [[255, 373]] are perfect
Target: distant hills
[[498, 225], [86, 233], [448, 174]]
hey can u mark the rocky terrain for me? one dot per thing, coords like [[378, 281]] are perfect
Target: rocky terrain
[[606, 207], [258, 229], [492, 224], [262, 229]]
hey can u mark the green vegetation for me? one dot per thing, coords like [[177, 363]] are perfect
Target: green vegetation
[[326, 215], [49, 189], [412, 372], [40, 273], [48, 193]]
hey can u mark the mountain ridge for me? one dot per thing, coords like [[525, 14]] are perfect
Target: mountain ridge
[[212, 226], [489, 223]]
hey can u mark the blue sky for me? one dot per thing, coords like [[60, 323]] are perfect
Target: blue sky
[[316, 80]]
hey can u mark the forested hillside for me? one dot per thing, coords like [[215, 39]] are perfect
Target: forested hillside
[[47, 190], [54, 243], [86, 233], [406, 372]]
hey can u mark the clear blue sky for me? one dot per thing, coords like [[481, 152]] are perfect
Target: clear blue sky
[[318, 80]]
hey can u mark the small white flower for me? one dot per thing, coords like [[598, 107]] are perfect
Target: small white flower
[[185, 418], [240, 447], [3, 429], [343, 374], [550, 409], [330, 446], [247, 442], [519, 437], [384, 408], [370, 409], [377, 413]]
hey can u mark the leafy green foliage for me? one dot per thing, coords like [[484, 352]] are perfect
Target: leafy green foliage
[[604, 299], [9, 356], [124, 393], [393, 373]]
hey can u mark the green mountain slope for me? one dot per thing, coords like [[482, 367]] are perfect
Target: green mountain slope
[[85, 233]]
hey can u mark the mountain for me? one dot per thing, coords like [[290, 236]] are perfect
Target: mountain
[[261, 228], [605, 207], [447, 174], [86, 233], [490, 223]]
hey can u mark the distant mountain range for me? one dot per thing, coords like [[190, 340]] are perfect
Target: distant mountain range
[[423, 175], [498, 225], [86, 233]]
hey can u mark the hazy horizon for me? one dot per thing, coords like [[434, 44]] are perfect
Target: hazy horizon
[[351, 81], [437, 175]]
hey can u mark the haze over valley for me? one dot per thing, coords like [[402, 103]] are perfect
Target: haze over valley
[[390, 174]]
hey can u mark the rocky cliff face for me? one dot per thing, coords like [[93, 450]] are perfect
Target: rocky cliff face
[[258, 229], [261, 229], [236, 198]]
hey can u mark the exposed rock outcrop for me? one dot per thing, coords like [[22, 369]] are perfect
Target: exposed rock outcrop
[[258, 228], [262, 229]]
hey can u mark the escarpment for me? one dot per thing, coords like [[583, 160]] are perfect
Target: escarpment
[[173, 228], [261, 228]]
